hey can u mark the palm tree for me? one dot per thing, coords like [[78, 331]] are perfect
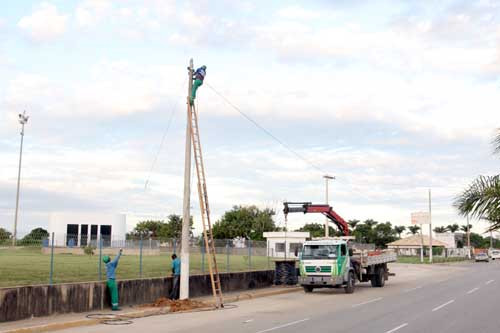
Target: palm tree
[[399, 229], [440, 230], [453, 227], [370, 223], [482, 198], [352, 224], [464, 228], [414, 229]]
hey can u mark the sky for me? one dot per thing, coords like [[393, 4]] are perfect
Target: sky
[[390, 97]]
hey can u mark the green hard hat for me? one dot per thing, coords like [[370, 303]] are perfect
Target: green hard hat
[[105, 259]]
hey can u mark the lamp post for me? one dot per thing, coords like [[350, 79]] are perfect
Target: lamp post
[[23, 119], [327, 178]]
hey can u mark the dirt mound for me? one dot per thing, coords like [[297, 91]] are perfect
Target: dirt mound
[[179, 305]]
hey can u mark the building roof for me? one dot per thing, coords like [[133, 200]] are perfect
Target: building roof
[[416, 241]]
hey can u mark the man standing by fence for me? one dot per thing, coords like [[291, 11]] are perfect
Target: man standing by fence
[[176, 276], [111, 276]]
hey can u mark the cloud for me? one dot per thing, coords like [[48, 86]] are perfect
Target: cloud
[[91, 12], [296, 12], [44, 24]]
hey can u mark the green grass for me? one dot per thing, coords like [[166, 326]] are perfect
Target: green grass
[[28, 266], [435, 260]]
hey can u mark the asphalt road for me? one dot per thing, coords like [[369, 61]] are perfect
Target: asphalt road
[[421, 298]]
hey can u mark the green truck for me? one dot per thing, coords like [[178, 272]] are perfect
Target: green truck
[[335, 263]]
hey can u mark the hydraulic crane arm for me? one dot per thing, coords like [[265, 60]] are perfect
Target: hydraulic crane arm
[[307, 207]]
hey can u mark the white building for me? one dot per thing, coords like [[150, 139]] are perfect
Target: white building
[[279, 242], [82, 229]]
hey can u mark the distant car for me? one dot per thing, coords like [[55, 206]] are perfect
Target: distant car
[[495, 254], [482, 257]]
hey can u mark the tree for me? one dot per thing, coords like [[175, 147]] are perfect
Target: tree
[[147, 228], [35, 237], [383, 233], [352, 224], [414, 229], [482, 198], [453, 227], [173, 227], [318, 230], [399, 229], [248, 222], [4, 236], [464, 227], [440, 230]]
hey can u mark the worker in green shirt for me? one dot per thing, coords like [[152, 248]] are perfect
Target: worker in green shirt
[[198, 77], [111, 276], [176, 276]]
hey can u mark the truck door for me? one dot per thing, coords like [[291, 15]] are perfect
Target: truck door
[[341, 261]]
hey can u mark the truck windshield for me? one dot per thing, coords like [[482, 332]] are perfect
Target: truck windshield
[[319, 252]]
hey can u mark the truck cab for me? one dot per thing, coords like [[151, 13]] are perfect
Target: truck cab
[[326, 264]]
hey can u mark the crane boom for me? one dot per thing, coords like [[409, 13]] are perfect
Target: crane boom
[[327, 210]]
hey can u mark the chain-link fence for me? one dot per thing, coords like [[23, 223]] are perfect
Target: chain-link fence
[[41, 259]]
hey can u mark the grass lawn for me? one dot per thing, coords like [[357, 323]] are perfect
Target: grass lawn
[[435, 260], [27, 266]]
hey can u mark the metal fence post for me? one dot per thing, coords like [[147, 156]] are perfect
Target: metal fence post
[[52, 260], [100, 259], [140, 256], [250, 254], [227, 255], [202, 255]]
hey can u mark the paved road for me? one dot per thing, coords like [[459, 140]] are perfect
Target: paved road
[[421, 298]]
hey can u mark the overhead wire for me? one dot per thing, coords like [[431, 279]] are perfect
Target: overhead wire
[[281, 142], [262, 128], [169, 123]]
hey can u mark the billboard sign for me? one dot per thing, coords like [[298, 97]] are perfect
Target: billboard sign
[[420, 218]]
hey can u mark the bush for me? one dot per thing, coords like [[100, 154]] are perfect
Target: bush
[[89, 250]]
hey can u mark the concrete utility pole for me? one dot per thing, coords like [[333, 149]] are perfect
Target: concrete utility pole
[[430, 228], [23, 119], [327, 178], [186, 216]]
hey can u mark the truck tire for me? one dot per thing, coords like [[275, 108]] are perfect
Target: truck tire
[[308, 289], [378, 279], [351, 281]]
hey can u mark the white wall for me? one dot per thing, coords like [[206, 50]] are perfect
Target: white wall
[[58, 225], [279, 237]]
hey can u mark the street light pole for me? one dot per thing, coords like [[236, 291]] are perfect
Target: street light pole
[[430, 228], [327, 178], [23, 119]]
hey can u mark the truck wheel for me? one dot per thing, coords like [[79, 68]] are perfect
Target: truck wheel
[[349, 288], [378, 278], [308, 289]]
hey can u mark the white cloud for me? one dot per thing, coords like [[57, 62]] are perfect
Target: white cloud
[[296, 12], [91, 12], [44, 24]]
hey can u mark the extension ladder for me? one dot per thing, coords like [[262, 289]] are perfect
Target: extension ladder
[[204, 208]]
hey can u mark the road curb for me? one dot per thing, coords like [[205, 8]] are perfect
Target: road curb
[[141, 314]]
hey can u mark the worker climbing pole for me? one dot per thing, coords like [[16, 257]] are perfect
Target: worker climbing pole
[[197, 80], [198, 77]]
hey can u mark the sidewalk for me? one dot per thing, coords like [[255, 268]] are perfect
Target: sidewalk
[[65, 321]]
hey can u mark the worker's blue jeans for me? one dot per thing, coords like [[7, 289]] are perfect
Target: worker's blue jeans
[[174, 294]]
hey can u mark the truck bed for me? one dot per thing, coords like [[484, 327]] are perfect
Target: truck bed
[[367, 259]]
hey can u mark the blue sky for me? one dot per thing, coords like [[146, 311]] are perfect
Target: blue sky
[[390, 97]]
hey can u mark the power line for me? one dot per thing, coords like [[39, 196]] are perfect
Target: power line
[[169, 123], [247, 117]]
